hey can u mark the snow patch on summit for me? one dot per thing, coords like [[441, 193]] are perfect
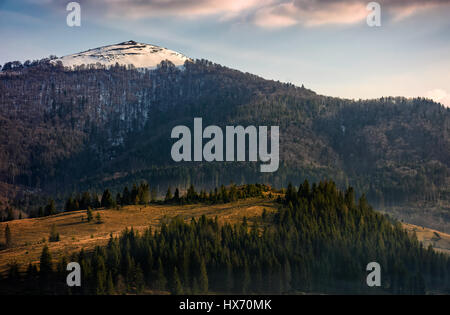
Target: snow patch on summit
[[127, 53]]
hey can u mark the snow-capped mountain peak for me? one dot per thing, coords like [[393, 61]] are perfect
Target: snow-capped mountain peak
[[127, 53]]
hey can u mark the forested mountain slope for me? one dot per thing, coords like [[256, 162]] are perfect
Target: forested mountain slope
[[89, 128]]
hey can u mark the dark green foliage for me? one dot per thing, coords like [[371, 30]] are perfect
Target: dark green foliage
[[89, 214], [264, 214], [176, 197], [98, 218], [203, 278], [160, 280], [54, 235], [139, 195], [126, 197], [107, 200], [143, 194], [45, 265], [32, 273], [320, 240], [50, 208], [222, 195], [8, 237], [153, 195], [83, 202], [176, 287], [40, 212], [70, 205], [13, 271], [169, 196], [10, 214], [109, 284], [191, 195], [134, 196]]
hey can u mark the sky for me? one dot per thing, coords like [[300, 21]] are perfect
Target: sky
[[326, 45]]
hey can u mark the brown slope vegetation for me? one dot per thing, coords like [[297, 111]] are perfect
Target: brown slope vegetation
[[76, 233], [435, 215], [440, 241]]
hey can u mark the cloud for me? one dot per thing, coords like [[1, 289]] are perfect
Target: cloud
[[263, 13], [401, 9], [311, 13], [439, 96], [189, 9]]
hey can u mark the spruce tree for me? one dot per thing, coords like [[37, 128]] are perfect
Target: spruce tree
[[191, 194], [13, 271], [50, 209], [45, 262], [126, 196], [246, 281], [89, 214], [40, 212], [85, 200], [109, 284], [119, 201], [287, 275], [169, 196], [107, 200], [8, 237], [54, 235], [69, 205], [203, 278], [144, 194], [153, 195], [134, 195], [229, 283], [160, 277], [139, 282], [10, 214], [176, 287], [98, 218]]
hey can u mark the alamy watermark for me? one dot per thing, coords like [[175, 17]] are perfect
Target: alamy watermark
[[213, 150], [74, 277], [74, 17], [374, 277], [374, 17]]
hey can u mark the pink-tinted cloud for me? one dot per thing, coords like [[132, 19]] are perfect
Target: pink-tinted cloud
[[180, 8], [403, 9], [312, 13], [264, 13], [307, 13]]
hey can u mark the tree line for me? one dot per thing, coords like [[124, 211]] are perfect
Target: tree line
[[142, 195]]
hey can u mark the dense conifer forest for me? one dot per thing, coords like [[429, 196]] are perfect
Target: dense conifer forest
[[320, 240]]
